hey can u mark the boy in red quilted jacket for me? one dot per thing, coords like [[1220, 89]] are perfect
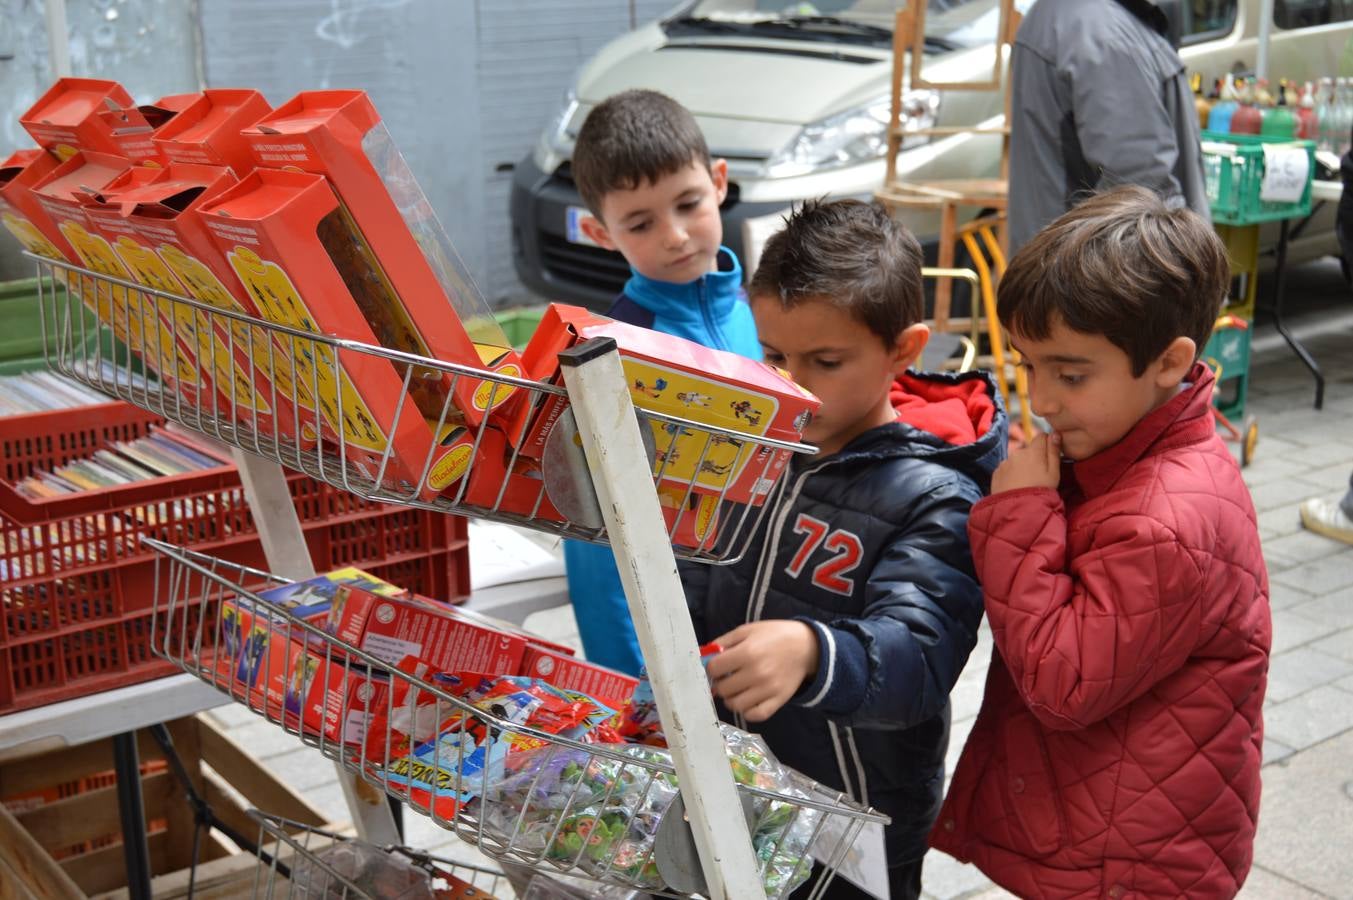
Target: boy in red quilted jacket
[[1117, 749]]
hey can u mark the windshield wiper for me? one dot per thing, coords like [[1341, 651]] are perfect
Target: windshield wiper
[[838, 23]]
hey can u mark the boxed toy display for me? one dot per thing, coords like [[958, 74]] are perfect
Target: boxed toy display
[[162, 215], [286, 238], [66, 119], [61, 195], [20, 211], [133, 128], [208, 132], [430, 307]]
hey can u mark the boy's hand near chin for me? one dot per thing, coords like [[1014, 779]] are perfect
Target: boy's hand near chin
[[763, 664], [1037, 464]]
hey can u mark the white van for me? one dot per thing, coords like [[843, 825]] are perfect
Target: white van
[[795, 96]]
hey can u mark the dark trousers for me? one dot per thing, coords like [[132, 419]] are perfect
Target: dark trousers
[[904, 883]]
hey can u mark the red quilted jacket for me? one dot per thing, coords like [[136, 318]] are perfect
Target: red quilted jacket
[[1117, 750]]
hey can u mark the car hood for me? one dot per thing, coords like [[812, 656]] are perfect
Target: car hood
[[726, 77]]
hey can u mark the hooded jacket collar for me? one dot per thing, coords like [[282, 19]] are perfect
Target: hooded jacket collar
[[932, 408], [708, 298], [1185, 419]]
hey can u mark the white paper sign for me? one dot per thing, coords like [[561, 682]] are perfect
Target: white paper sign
[[866, 862], [1286, 172]]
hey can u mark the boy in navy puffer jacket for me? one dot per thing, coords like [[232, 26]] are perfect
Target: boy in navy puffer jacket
[[644, 171], [848, 621]]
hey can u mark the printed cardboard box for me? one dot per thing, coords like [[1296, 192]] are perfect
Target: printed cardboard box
[[286, 238], [432, 308], [133, 128], [104, 211], [392, 628], [20, 212], [163, 218], [61, 194], [678, 377], [208, 133], [66, 118], [565, 671]]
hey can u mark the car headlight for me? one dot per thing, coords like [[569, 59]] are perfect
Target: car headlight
[[559, 135], [854, 136]]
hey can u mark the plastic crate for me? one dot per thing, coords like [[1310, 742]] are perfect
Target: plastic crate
[[77, 588], [22, 348], [1234, 177], [520, 323], [1228, 352]]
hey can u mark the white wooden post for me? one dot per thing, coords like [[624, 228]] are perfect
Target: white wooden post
[[624, 484], [279, 528], [58, 37]]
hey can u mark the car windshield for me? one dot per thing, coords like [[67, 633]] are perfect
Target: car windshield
[[949, 24]]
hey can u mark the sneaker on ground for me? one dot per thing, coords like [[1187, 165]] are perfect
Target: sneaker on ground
[[1324, 517]]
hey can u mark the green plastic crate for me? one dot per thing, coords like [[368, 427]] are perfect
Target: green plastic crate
[[1229, 348], [21, 344], [1235, 175], [520, 323]]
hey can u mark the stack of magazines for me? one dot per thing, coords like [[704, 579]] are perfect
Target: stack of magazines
[[41, 391], [160, 453]]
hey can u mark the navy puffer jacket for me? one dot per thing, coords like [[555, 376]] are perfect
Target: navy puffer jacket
[[870, 547]]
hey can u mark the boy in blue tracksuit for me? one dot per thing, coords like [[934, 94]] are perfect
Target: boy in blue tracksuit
[[848, 620], [644, 171]]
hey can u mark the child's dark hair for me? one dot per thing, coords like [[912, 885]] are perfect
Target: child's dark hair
[[631, 139], [851, 254], [1125, 265]]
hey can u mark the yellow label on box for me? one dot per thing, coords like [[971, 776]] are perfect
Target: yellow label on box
[[452, 464], [202, 284], [707, 458], [96, 254], [27, 235], [147, 268], [272, 289]]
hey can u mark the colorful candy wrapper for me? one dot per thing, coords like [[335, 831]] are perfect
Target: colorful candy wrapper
[[603, 814], [640, 723]]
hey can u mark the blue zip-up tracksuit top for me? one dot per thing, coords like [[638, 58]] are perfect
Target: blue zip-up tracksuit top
[[712, 311]]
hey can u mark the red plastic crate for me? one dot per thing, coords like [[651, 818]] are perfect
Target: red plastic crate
[[77, 586]]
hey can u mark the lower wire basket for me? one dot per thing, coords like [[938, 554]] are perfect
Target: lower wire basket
[[511, 785], [300, 862]]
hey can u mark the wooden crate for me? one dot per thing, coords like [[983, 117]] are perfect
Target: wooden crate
[[63, 842]]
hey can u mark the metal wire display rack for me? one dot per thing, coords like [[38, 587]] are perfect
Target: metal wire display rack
[[704, 522], [514, 791], [299, 862], [609, 471]]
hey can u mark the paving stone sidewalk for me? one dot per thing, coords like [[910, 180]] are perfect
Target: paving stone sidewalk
[[1306, 823]]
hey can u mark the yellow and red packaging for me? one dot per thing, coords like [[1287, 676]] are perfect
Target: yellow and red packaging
[[208, 132], [566, 671], [163, 216], [63, 195], [277, 231], [241, 393], [394, 628], [433, 308], [133, 128], [671, 375], [66, 118], [20, 211]]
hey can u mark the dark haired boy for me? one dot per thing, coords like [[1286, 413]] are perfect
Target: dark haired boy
[[848, 620], [1117, 750], [644, 171]]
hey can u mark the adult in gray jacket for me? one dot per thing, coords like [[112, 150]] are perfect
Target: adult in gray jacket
[[1099, 98]]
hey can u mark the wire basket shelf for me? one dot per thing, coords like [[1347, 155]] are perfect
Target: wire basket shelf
[[301, 862], [603, 812], [267, 406]]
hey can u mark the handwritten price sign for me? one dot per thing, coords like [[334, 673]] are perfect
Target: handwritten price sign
[[1287, 172]]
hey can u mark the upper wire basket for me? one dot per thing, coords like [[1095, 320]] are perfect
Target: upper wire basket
[[301, 862], [605, 812], [215, 392]]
